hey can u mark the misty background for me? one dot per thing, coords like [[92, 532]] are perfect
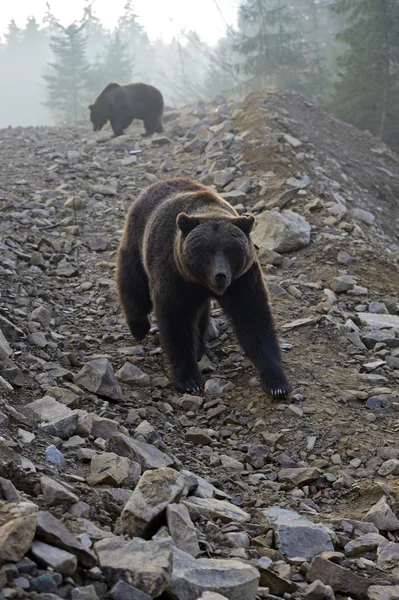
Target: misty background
[[343, 55]]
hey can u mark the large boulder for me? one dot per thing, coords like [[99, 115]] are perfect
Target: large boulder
[[281, 232]]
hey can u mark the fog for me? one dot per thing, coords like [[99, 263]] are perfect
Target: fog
[[195, 51]]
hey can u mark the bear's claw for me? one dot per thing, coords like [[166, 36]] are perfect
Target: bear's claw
[[280, 390], [190, 385]]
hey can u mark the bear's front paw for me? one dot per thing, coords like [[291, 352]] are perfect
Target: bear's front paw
[[139, 329], [275, 385], [189, 383]]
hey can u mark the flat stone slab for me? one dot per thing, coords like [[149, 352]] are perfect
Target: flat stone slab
[[234, 579], [379, 321], [296, 535]]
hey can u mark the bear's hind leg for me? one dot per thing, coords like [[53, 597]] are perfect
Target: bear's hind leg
[[177, 327], [160, 127], [151, 125], [247, 304], [133, 291]]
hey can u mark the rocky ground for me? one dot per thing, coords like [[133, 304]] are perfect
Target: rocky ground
[[114, 486]]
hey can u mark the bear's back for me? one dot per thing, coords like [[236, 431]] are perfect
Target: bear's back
[[144, 98]]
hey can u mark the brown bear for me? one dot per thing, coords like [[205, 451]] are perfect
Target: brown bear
[[120, 104], [183, 245]]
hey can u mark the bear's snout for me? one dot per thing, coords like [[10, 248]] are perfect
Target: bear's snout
[[220, 276]]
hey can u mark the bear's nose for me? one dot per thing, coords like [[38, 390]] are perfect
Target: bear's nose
[[220, 276]]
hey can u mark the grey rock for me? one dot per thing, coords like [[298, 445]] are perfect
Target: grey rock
[[363, 215], [222, 178], [84, 593], [146, 565], [189, 402], [388, 555], [16, 537], [318, 591], [389, 467], [133, 376], [340, 579], [55, 493], [212, 596], [276, 582], [379, 321], [101, 427], [45, 584], [342, 284], [281, 232], [98, 376], [105, 190], [192, 577], [54, 456], [363, 544], [110, 469], [147, 455], [48, 409], [181, 529], [211, 508], [5, 348], [41, 315], [198, 436], [51, 530], [65, 269], [382, 516], [257, 456], [92, 531], [299, 476], [296, 535], [383, 592], [292, 141], [154, 491], [62, 428], [61, 561], [124, 591]]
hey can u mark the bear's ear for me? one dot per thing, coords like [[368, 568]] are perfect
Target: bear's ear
[[91, 106], [186, 223], [244, 223]]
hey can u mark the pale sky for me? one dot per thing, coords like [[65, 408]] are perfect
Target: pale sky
[[161, 18]]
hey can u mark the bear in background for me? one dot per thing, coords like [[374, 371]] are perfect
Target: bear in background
[[121, 104], [183, 245]]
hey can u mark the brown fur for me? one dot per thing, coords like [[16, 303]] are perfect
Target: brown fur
[[120, 104], [183, 245]]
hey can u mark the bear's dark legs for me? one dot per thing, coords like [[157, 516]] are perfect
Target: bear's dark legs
[[151, 126], [160, 128], [246, 303], [178, 330], [134, 294], [203, 322], [119, 125]]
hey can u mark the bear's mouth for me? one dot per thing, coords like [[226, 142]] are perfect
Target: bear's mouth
[[220, 287]]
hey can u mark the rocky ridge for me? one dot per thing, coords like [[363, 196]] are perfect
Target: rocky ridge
[[114, 486]]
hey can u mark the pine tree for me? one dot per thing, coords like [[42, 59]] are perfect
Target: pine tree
[[20, 82], [114, 65], [222, 76], [68, 77], [96, 35], [367, 89], [137, 42], [273, 49], [314, 20]]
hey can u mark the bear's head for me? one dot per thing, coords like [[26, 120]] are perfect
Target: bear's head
[[213, 251], [98, 115]]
